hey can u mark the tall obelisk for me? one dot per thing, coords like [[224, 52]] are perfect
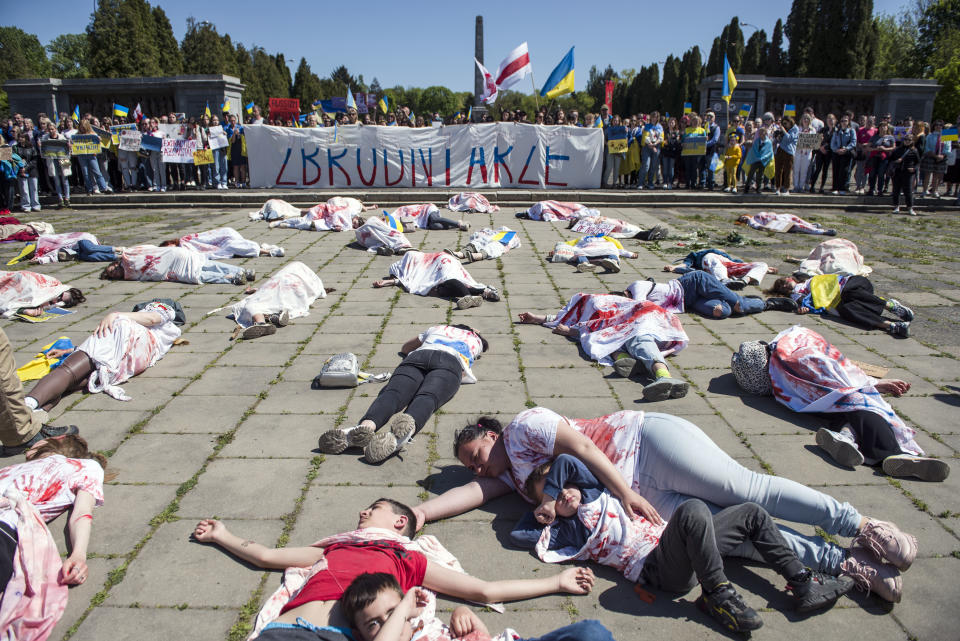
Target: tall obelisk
[[478, 108]]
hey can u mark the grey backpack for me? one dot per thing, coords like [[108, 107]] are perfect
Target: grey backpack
[[343, 370]]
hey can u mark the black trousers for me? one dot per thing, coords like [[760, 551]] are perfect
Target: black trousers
[[821, 162], [695, 541], [875, 437], [436, 222], [455, 289], [858, 303], [422, 383], [841, 171], [8, 547], [903, 182]]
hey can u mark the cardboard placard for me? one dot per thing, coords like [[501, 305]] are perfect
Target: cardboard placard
[[203, 157], [116, 130], [900, 132], [218, 139], [105, 135], [617, 146], [58, 148], [151, 143], [6, 152], [130, 140], [782, 226], [284, 107], [179, 150], [173, 132], [809, 142], [85, 144], [694, 145]]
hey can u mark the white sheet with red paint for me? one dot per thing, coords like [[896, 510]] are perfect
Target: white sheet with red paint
[[51, 484], [376, 233], [551, 210], [336, 214], [614, 540], [496, 242], [27, 289], [768, 220], [607, 226], [668, 295], [223, 242], [835, 256], [276, 209], [419, 214], [152, 263], [49, 245], [420, 272], [723, 268], [811, 375], [471, 201], [605, 322], [294, 288]]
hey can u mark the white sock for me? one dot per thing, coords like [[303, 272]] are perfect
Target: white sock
[[31, 402]]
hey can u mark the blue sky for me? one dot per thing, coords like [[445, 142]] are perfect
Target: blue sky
[[421, 44]]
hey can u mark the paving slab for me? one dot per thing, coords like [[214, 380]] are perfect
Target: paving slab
[[218, 491]]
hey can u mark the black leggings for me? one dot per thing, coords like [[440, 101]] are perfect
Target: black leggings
[[874, 436], [8, 546], [903, 182], [437, 222], [455, 289], [821, 162], [693, 545], [859, 305], [70, 375], [422, 383]]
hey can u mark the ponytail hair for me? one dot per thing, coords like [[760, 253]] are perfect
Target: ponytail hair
[[474, 431]]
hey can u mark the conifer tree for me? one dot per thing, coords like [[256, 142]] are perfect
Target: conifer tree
[[168, 51], [122, 39], [799, 30]]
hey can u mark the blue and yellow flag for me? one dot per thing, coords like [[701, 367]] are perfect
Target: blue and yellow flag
[[504, 237], [560, 81], [687, 107], [392, 221], [249, 108], [384, 103], [790, 110], [335, 132], [598, 123], [745, 110], [729, 80], [351, 103], [949, 134], [470, 114], [206, 110], [120, 110], [76, 113], [412, 117], [225, 107]]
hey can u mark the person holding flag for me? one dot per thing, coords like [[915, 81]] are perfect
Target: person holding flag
[[206, 110], [384, 103], [120, 111]]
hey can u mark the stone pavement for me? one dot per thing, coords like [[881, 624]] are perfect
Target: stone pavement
[[229, 429]]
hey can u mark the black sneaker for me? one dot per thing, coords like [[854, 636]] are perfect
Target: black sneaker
[[779, 304], [47, 431], [819, 590], [735, 284], [901, 329], [726, 606]]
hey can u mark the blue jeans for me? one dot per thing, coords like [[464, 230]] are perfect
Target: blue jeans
[[91, 172], [585, 259], [669, 165], [648, 173], [703, 292], [220, 166], [691, 171], [677, 461], [706, 176], [91, 252], [589, 630], [214, 271], [644, 348]]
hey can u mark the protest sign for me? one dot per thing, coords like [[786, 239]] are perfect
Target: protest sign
[[593, 229], [85, 144], [116, 129], [618, 146], [179, 150], [488, 155], [806, 142], [339, 104], [130, 140], [203, 157], [218, 139], [105, 136], [174, 131], [58, 148], [6, 152], [284, 107], [694, 145], [151, 143], [361, 99], [900, 132]]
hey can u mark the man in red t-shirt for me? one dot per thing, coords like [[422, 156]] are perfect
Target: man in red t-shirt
[[315, 604]]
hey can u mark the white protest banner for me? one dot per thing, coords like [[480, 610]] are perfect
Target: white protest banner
[[179, 150], [488, 155], [130, 140], [218, 139], [174, 131], [806, 142]]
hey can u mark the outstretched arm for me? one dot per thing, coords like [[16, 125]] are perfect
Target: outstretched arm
[[464, 586], [74, 570], [147, 319], [211, 531], [460, 499]]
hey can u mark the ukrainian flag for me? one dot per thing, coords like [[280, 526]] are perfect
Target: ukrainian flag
[[225, 107], [598, 122], [350, 101], [384, 103], [504, 237], [949, 134], [206, 110], [745, 110], [76, 113], [560, 81], [470, 114], [392, 221], [687, 107], [790, 110], [729, 80], [120, 110], [249, 108]]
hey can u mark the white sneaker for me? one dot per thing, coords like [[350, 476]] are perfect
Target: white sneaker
[[733, 190], [896, 210], [840, 446], [277, 252], [778, 192], [921, 467], [835, 193], [912, 213], [726, 190], [96, 191]]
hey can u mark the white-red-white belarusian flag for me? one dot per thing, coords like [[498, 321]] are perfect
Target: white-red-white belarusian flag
[[137, 114], [514, 67], [489, 85]]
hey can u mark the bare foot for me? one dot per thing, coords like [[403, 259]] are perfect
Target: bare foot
[[252, 290], [668, 268], [562, 329], [532, 319], [772, 270], [893, 386]]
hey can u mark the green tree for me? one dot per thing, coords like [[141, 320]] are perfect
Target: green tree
[[671, 97], [68, 56], [306, 86], [271, 81], [754, 53], [168, 51], [715, 59], [596, 84], [799, 30], [691, 73], [938, 19], [244, 65], [123, 40], [733, 37], [896, 54], [205, 52], [21, 56], [440, 100], [840, 39], [284, 71], [776, 58], [947, 104]]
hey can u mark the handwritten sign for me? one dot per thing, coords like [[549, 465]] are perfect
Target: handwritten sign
[[593, 229], [174, 131], [86, 144], [203, 157], [807, 142], [617, 146], [218, 139], [179, 150], [130, 140], [284, 107], [58, 148], [694, 145], [105, 136]]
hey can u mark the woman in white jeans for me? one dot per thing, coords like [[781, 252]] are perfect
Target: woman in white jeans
[[157, 166], [802, 158], [653, 462], [55, 167]]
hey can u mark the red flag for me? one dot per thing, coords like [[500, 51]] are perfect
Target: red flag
[[608, 101], [514, 67], [137, 114], [489, 86]]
